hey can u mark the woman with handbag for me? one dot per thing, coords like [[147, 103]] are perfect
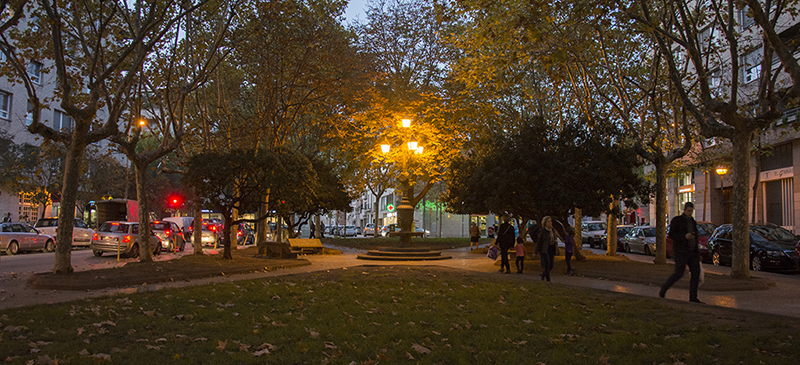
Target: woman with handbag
[[546, 245]]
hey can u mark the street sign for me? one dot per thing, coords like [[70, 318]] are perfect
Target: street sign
[[55, 196], [390, 207]]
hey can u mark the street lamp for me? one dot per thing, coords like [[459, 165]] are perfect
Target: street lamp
[[142, 122], [721, 171], [405, 211]]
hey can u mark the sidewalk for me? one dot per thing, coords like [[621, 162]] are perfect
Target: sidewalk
[[771, 293]]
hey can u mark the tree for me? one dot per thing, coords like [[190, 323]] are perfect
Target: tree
[[181, 64], [732, 89], [541, 171], [237, 180], [97, 49]]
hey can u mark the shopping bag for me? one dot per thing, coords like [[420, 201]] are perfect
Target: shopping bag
[[492, 253]]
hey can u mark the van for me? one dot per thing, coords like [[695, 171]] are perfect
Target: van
[[183, 223], [81, 233]]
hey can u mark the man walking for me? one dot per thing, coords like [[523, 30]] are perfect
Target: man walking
[[683, 232]]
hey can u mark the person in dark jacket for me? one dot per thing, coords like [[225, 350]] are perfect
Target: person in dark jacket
[[683, 231], [546, 242], [505, 240]]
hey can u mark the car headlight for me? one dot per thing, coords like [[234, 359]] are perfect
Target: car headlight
[[775, 253]]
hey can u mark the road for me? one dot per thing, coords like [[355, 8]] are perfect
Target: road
[[82, 259], [709, 268]]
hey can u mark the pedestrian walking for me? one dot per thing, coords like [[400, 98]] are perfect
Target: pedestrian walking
[[474, 235], [546, 246], [7, 218], [505, 240], [520, 253], [312, 227], [569, 247], [321, 229], [683, 232]]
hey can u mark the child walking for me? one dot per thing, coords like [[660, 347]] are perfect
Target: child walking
[[569, 247], [520, 248]]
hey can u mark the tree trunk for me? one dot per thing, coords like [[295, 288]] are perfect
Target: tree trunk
[[377, 215], [740, 265], [261, 231], [226, 240], [145, 251], [578, 235], [235, 229], [661, 212], [69, 196], [317, 227], [611, 237], [262, 226], [197, 223]]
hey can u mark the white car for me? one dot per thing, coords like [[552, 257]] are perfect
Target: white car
[[369, 230], [593, 232], [81, 233], [350, 231]]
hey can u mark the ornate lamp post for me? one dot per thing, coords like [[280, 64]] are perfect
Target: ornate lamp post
[[405, 210], [721, 171]]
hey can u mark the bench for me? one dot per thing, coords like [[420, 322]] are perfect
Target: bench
[[306, 245], [280, 250]]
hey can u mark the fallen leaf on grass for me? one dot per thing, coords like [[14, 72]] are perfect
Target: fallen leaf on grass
[[99, 358], [151, 347], [604, 360], [104, 323], [83, 352], [408, 355], [46, 360], [261, 352], [312, 333], [244, 347], [222, 344], [162, 339], [330, 345], [420, 349], [200, 339], [80, 331]]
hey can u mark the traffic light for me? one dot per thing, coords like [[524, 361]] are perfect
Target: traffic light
[[174, 201]]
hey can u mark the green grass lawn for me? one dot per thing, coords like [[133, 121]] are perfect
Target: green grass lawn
[[369, 243], [393, 314]]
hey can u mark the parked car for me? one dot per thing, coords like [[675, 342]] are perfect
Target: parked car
[[246, 235], [425, 232], [123, 237], [771, 247], [592, 233], [208, 234], [81, 233], [622, 231], [350, 231], [394, 227], [169, 234], [369, 230], [705, 229], [19, 237], [641, 239]]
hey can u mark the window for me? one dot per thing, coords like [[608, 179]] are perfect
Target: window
[[751, 64], [745, 20], [35, 72], [5, 105], [62, 121], [29, 114], [780, 157]]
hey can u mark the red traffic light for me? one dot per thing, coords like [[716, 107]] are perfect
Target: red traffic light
[[174, 201]]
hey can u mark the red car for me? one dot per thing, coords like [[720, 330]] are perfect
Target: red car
[[706, 229]]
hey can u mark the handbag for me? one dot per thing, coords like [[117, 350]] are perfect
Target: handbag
[[492, 254]]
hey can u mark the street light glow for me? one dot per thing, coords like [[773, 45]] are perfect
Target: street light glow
[[142, 122], [722, 170], [412, 145], [385, 147], [406, 122], [419, 150]]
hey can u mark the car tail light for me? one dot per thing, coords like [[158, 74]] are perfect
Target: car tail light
[[166, 232], [95, 237], [239, 233], [126, 239], [213, 228]]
